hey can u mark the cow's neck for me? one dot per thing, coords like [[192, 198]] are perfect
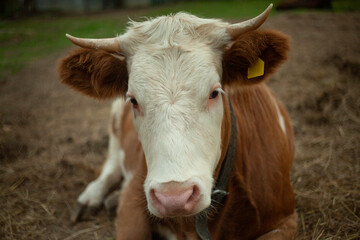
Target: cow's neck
[[225, 134]]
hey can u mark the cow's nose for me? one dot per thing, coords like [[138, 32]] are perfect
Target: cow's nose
[[175, 201]]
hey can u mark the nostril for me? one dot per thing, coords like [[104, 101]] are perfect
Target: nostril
[[196, 193], [153, 196], [193, 199]]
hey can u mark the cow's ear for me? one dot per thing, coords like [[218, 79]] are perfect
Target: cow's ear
[[253, 56], [95, 73]]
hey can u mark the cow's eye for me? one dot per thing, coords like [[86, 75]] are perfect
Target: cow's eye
[[133, 101], [214, 94]]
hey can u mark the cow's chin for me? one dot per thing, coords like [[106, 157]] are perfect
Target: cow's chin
[[177, 199]]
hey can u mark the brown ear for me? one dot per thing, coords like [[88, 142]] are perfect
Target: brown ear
[[95, 73], [269, 46]]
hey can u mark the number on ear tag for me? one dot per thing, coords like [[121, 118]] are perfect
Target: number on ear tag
[[257, 69]]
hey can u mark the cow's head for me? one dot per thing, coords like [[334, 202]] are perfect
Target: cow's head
[[173, 69]]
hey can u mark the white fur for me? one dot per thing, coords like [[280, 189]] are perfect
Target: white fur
[[173, 64], [281, 118], [95, 192]]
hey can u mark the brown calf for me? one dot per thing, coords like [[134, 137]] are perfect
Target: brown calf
[[261, 202]]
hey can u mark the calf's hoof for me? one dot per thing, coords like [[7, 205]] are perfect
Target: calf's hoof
[[82, 211]]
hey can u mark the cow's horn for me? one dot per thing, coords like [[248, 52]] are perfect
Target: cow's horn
[[107, 44], [234, 30]]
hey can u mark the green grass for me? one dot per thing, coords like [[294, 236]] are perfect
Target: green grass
[[346, 5], [237, 9], [24, 40], [219, 9]]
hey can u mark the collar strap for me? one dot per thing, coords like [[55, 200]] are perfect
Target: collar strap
[[219, 192]]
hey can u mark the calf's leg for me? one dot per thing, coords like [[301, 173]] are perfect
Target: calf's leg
[[93, 196]]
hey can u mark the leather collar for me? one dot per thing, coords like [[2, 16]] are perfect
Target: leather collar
[[219, 192]]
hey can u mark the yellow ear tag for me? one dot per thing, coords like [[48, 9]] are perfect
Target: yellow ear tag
[[257, 69]]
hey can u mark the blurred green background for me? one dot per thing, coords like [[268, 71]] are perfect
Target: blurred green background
[[24, 38]]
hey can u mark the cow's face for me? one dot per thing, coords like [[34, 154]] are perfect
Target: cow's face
[[172, 73], [175, 70], [177, 110], [174, 85]]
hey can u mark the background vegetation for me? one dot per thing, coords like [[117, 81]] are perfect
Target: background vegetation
[[25, 39]]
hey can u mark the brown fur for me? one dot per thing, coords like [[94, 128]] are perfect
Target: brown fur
[[261, 197], [95, 73], [132, 210], [260, 191], [225, 133], [270, 46]]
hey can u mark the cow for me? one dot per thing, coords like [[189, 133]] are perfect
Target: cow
[[192, 120]]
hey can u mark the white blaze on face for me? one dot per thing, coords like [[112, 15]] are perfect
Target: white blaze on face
[[179, 133], [171, 76]]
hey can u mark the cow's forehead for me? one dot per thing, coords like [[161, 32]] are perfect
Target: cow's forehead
[[177, 54], [174, 70], [181, 29]]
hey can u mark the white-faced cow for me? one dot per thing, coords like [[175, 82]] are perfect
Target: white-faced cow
[[201, 145]]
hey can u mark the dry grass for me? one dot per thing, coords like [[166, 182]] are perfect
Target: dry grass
[[326, 174]]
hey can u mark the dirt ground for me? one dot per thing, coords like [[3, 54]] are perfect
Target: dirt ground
[[52, 139]]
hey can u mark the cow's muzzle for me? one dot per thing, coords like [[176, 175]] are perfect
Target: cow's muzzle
[[175, 199]]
